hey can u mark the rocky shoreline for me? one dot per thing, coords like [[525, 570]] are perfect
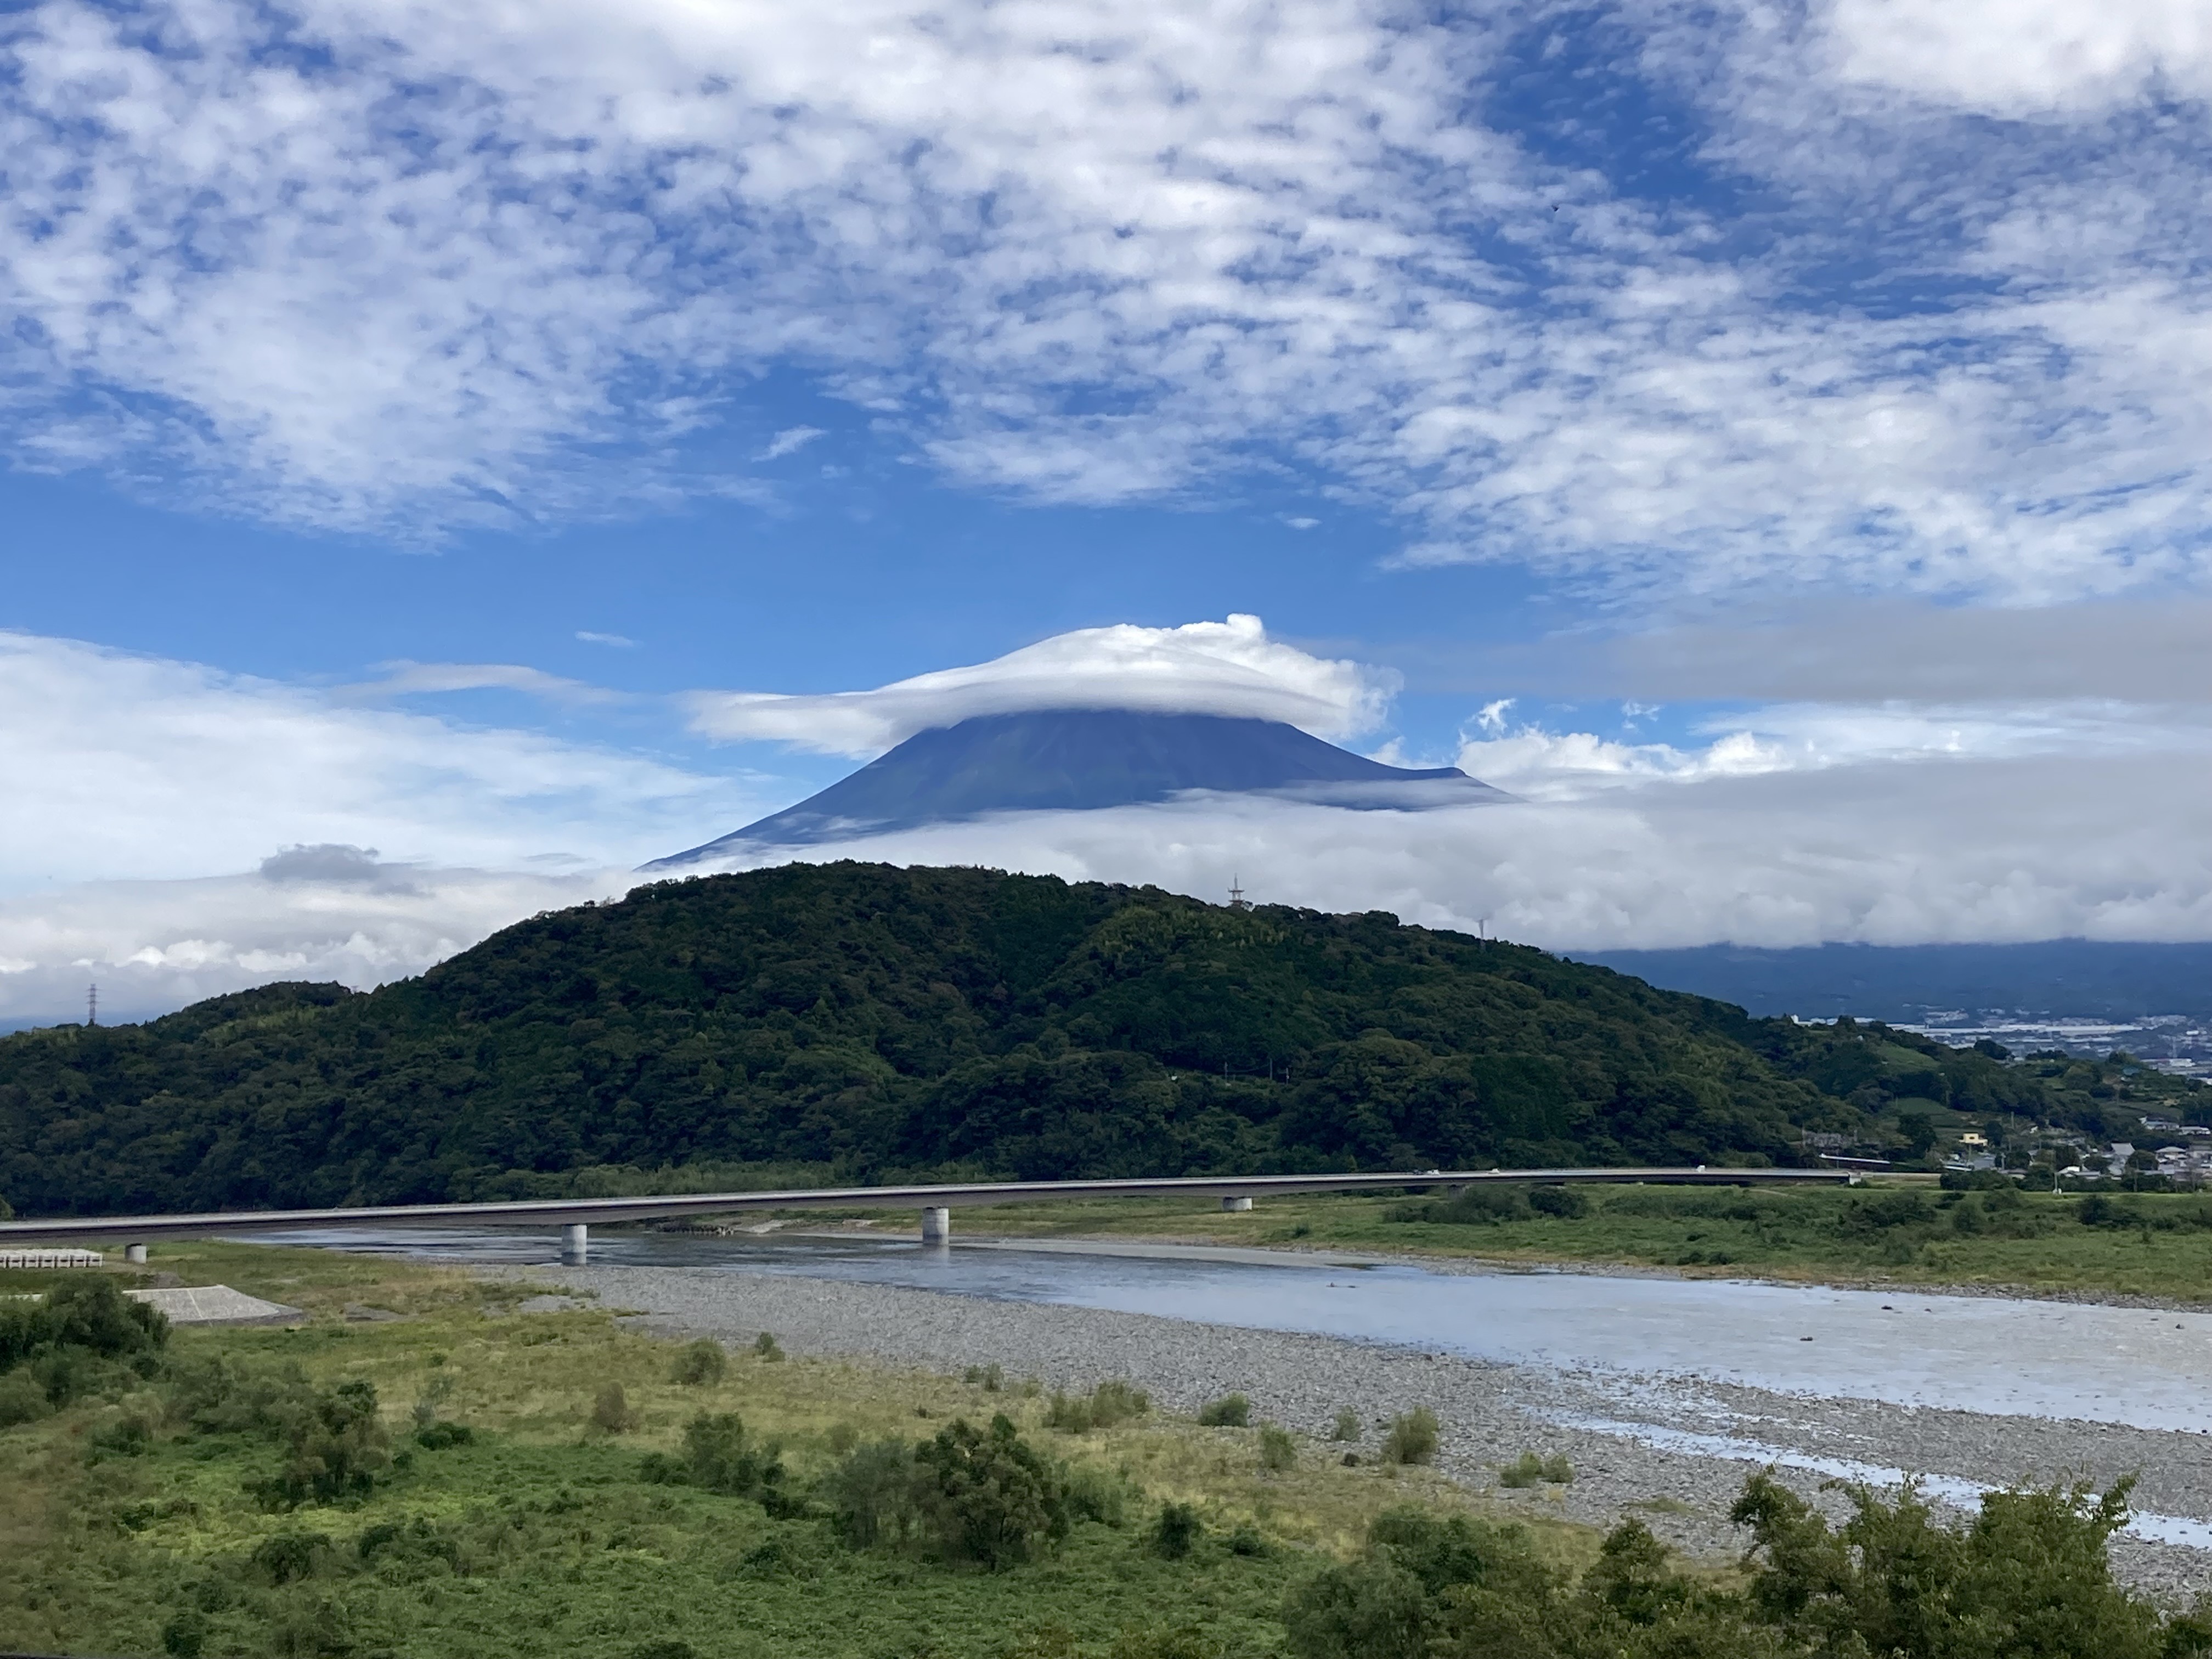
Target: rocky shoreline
[[1672, 1451]]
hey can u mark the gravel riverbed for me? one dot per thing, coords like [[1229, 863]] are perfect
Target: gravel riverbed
[[1626, 1436]]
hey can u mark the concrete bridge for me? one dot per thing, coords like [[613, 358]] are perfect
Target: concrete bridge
[[574, 1216]]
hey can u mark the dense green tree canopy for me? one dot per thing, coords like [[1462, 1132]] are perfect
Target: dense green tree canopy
[[876, 1022]]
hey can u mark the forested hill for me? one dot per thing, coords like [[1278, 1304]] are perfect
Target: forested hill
[[875, 1022]]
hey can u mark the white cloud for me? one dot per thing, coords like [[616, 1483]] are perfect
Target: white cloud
[[152, 946], [2026, 57], [121, 766], [790, 441], [1992, 851], [1540, 764], [1881, 852], [415, 264], [1228, 667], [590, 638], [400, 679]]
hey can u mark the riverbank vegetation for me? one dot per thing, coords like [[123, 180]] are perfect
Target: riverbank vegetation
[[1900, 1232], [420, 1468]]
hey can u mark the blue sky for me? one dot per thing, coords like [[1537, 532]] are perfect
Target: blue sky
[[1772, 441]]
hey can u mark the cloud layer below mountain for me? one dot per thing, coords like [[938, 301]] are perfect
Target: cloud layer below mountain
[[1886, 853]]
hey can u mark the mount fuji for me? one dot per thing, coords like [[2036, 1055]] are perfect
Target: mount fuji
[[1081, 759]]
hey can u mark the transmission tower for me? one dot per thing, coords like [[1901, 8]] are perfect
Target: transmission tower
[[92, 1004]]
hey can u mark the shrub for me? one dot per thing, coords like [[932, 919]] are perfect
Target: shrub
[[1109, 1404], [1278, 1449], [85, 1317], [338, 1447], [22, 1399], [1395, 1600], [1413, 1437], [610, 1411], [286, 1556], [1565, 1203], [1529, 1470], [989, 1378], [1178, 1529], [1231, 1411], [1116, 1401], [124, 1434], [988, 1497], [764, 1346], [184, 1637], [699, 1362], [719, 1456], [1348, 1425], [442, 1437], [1097, 1494], [869, 1493]]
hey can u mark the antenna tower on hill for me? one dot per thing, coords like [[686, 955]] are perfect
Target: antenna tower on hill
[[1236, 899], [92, 1004]]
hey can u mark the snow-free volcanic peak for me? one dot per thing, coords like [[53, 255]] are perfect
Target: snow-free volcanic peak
[[1080, 759]]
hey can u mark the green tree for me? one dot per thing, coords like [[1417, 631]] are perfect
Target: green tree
[[988, 1495]]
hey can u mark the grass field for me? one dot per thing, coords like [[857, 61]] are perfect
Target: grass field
[[1901, 1230], [540, 1535]]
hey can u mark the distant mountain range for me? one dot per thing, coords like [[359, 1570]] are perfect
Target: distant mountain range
[[2072, 977], [1080, 759]]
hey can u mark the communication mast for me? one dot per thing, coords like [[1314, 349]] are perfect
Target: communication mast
[[92, 1003], [1236, 899]]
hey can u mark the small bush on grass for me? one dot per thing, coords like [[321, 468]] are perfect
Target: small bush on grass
[[989, 1378], [1278, 1448], [719, 1456], [22, 1399], [699, 1363], [120, 1434], [765, 1349], [338, 1449], [1110, 1403], [610, 1411], [1116, 1401], [1348, 1425], [1097, 1494], [1176, 1531], [1561, 1203], [1531, 1470], [1413, 1437], [1231, 1411]]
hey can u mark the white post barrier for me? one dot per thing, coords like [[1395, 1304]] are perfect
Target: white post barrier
[[575, 1244], [936, 1225], [1236, 1203]]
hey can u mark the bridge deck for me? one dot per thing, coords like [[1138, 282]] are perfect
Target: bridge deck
[[570, 1212]]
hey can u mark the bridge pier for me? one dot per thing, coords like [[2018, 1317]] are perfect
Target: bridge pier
[[936, 1225], [1236, 1203], [575, 1244], [135, 1254]]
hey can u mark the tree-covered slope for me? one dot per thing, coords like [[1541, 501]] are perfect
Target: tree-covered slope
[[882, 1021]]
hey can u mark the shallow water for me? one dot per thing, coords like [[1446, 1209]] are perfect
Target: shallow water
[[2136, 1366]]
